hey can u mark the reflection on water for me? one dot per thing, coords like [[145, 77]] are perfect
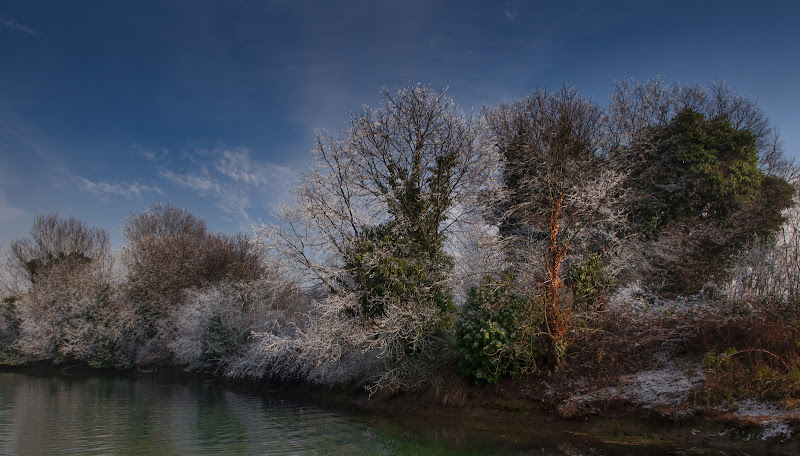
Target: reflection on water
[[100, 415]]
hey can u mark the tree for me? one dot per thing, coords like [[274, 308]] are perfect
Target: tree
[[560, 196], [54, 239], [169, 252], [637, 106], [68, 312], [163, 253], [372, 217], [697, 191]]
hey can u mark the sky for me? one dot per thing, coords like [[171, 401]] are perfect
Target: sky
[[109, 106]]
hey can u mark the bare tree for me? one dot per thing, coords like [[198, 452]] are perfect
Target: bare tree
[[55, 239], [163, 252], [561, 194]]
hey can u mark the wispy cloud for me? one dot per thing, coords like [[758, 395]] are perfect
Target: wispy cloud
[[9, 22], [512, 11], [150, 155], [13, 222], [238, 183], [104, 191], [9, 213]]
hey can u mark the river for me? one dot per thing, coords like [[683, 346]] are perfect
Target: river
[[62, 415]]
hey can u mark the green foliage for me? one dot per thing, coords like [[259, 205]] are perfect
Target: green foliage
[[697, 181], [762, 216], [693, 167], [718, 362], [490, 334], [389, 268], [742, 374], [588, 283]]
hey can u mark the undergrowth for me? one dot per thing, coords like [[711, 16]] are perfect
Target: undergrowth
[[753, 357], [745, 354]]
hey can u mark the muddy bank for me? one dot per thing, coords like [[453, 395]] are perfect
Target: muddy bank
[[656, 408]]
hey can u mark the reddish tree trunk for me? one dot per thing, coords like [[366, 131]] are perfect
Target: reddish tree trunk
[[555, 316]]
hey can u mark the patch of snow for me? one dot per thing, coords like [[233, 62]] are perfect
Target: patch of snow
[[773, 420], [668, 386], [775, 428], [752, 408]]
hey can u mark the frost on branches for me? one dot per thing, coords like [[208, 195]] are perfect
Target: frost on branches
[[371, 224], [561, 199]]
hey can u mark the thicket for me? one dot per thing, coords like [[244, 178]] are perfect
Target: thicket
[[186, 297], [545, 230]]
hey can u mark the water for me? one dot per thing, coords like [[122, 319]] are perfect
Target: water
[[104, 415]]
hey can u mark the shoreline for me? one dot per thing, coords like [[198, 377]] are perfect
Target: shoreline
[[615, 421]]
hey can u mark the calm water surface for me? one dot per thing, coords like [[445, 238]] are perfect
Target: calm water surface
[[103, 415]]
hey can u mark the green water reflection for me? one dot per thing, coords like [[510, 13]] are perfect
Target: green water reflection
[[102, 415]]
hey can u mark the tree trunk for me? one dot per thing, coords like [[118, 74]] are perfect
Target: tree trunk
[[555, 317]]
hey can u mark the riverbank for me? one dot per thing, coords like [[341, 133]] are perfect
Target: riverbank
[[655, 409]]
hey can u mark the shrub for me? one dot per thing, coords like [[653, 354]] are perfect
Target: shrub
[[388, 268], [9, 329], [490, 334], [766, 276], [210, 326], [70, 315]]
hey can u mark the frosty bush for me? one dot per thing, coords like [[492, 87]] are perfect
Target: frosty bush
[[9, 330], [766, 276], [70, 315], [325, 345], [214, 324]]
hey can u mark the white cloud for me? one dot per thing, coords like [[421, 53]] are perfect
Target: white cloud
[[9, 22], [238, 183], [201, 183], [105, 190]]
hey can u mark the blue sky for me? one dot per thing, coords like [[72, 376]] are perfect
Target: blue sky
[[108, 106]]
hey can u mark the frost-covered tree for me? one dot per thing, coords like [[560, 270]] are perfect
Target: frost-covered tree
[[372, 218], [766, 275], [71, 314], [169, 252], [706, 172], [560, 197], [54, 239]]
